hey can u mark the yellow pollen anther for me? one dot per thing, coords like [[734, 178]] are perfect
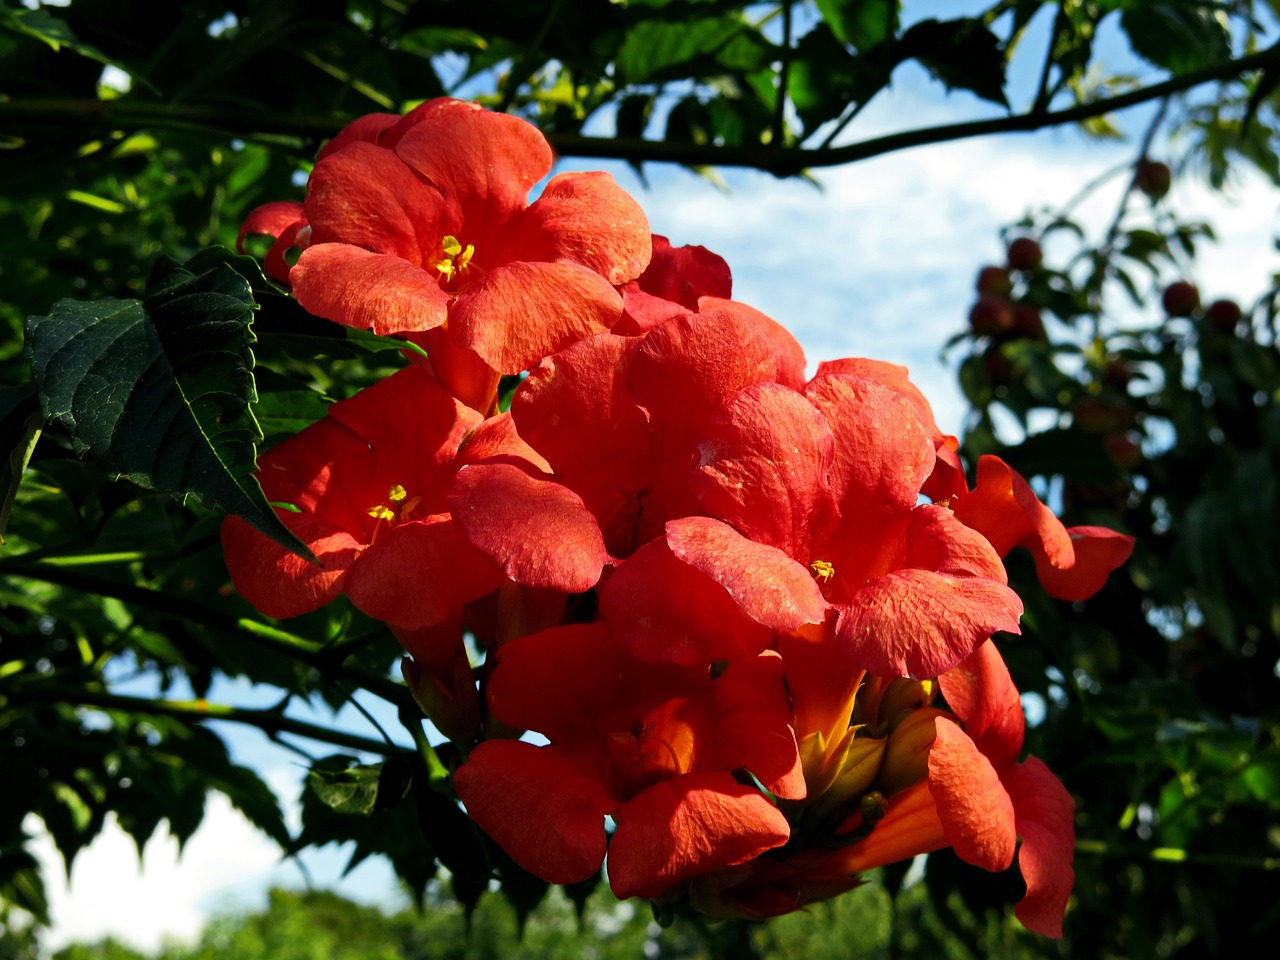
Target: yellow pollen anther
[[456, 258], [822, 571], [397, 506]]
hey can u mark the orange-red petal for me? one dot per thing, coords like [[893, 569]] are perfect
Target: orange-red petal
[[685, 826], [543, 805]]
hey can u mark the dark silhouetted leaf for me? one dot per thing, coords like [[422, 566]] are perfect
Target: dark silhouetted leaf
[[963, 54]]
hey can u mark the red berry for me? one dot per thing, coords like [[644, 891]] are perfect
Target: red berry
[[1153, 178], [1101, 415], [1224, 314], [1027, 322], [990, 316], [1124, 450], [1180, 299], [1117, 373], [994, 281], [1025, 254]]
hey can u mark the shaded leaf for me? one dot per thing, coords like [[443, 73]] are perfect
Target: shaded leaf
[[20, 426], [962, 53], [1176, 36], [158, 390], [861, 23]]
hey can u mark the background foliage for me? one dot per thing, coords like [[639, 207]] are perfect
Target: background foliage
[[134, 135]]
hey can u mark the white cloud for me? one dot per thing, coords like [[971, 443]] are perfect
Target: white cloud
[[165, 894]]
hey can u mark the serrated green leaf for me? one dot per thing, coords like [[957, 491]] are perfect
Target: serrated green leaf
[[158, 390], [20, 426], [1176, 36]]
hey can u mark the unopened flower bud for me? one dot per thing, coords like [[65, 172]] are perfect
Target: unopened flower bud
[[456, 712], [902, 697], [906, 757], [860, 766]]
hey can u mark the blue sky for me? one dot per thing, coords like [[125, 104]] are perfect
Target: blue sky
[[877, 260]]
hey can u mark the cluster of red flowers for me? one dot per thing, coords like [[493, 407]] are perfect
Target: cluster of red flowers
[[748, 612]]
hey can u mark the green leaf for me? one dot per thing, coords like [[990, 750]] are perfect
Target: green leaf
[[20, 425], [158, 390], [962, 53], [653, 48], [21, 883], [41, 25], [861, 23], [1176, 36], [390, 827], [361, 789]]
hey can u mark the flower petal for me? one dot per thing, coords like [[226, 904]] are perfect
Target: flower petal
[[909, 827], [542, 805], [484, 161], [685, 274], [883, 452], [522, 312], [948, 596], [1098, 551], [282, 584], [663, 610], [586, 218], [368, 291], [686, 826], [764, 467], [567, 683], [686, 368], [752, 726], [365, 196], [365, 129], [270, 219], [981, 693], [787, 353], [975, 810], [575, 410], [770, 587], [418, 572], [916, 623], [1045, 813], [536, 529], [1005, 510]]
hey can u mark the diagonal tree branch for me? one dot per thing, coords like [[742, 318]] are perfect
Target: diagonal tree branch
[[22, 115]]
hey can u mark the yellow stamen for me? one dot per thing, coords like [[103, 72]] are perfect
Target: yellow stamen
[[456, 258], [822, 571], [397, 505]]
